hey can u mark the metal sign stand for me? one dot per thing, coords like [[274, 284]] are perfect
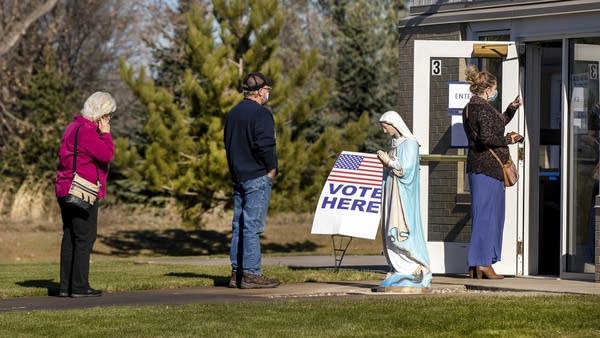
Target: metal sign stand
[[340, 250]]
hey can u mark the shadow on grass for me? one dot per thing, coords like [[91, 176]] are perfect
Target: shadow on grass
[[49, 284], [169, 242], [306, 246], [367, 268], [181, 242], [217, 280]]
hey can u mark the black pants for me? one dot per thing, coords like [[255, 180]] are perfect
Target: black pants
[[79, 235]]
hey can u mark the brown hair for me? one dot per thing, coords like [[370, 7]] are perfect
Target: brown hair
[[480, 81]]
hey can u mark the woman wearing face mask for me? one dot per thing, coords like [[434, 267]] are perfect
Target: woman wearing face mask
[[484, 127]]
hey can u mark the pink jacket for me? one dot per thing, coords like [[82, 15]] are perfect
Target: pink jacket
[[95, 150]]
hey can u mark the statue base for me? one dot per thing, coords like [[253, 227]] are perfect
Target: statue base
[[401, 289]]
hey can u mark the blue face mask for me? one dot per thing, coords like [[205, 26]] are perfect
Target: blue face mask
[[493, 97]]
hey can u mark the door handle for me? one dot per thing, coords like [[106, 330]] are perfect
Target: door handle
[[521, 154]]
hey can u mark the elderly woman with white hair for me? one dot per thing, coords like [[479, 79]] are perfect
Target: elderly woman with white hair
[[86, 149], [402, 232]]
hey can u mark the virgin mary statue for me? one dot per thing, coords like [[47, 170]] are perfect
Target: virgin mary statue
[[402, 232]]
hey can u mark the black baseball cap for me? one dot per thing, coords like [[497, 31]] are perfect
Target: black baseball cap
[[255, 81]]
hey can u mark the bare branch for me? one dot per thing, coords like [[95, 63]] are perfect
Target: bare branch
[[14, 34], [14, 118]]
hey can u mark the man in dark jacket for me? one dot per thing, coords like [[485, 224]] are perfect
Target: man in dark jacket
[[250, 144]]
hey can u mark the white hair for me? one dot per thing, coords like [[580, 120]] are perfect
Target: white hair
[[98, 105]]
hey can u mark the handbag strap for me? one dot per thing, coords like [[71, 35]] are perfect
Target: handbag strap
[[496, 156], [75, 151], [75, 156]]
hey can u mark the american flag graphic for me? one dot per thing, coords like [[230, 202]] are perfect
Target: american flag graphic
[[364, 169]]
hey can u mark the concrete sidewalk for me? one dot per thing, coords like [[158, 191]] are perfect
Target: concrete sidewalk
[[447, 285], [378, 263]]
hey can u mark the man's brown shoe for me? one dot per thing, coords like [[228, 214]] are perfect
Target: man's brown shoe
[[250, 281]]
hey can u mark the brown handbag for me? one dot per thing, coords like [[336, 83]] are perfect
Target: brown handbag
[[509, 169]]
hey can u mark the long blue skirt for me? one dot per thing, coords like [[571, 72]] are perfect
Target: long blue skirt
[[487, 210]]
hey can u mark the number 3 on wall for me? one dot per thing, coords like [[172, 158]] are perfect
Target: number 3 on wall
[[436, 67]]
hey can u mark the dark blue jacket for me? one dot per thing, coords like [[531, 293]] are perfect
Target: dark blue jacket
[[250, 141]]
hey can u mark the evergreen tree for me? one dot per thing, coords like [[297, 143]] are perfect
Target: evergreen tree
[[366, 49], [47, 106], [357, 64], [184, 157], [173, 59]]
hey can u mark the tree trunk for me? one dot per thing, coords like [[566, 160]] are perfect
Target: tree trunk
[[10, 38]]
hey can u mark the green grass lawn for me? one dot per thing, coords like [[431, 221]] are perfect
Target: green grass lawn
[[422, 316], [110, 275], [403, 316]]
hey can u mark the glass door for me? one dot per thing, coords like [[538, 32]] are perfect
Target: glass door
[[584, 123], [548, 157]]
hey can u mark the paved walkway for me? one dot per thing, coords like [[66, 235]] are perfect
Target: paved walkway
[[442, 285]]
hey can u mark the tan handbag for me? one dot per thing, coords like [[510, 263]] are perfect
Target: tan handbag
[[509, 169], [83, 190]]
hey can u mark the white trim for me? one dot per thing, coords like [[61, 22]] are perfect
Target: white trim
[[539, 28], [548, 11], [514, 195], [523, 200], [566, 167]]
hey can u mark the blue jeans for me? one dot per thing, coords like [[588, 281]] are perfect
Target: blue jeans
[[250, 205]]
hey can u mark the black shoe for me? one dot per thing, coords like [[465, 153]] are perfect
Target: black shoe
[[250, 281], [63, 293], [87, 293]]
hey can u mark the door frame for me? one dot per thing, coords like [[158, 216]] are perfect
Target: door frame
[[450, 257]]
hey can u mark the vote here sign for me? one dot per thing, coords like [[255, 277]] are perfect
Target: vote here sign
[[350, 201]]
